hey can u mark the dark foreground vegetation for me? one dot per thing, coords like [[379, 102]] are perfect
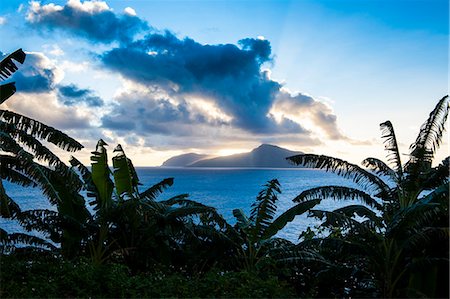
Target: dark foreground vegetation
[[392, 242]]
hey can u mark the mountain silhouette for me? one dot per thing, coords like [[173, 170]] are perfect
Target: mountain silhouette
[[184, 160], [265, 156]]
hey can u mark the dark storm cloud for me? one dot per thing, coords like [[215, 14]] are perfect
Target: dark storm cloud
[[71, 95], [229, 74], [91, 19]]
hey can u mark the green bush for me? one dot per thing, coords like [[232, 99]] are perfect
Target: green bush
[[47, 276]]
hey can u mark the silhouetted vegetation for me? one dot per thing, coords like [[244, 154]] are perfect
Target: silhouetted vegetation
[[393, 242]]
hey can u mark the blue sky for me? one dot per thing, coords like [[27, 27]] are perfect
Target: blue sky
[[218, 77]]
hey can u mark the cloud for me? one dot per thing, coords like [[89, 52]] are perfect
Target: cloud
[[71, 95], [148, 113], [305, 109], [44, 107], [228, 74], [2, 21], [39, 95], [38, 74], [130, 11], [93, 20], [187, 89], [54, 50]]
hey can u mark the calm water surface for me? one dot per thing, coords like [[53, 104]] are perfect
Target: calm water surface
[[223, 188]]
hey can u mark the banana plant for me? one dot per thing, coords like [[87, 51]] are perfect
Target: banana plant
[[131, 222], [24, 160], [258, 231], [404, 203]]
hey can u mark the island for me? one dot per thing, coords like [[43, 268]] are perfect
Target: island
[[264, 156]]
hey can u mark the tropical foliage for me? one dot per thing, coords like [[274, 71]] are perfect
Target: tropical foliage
[[402, 241], [21, 156], [105, 237]]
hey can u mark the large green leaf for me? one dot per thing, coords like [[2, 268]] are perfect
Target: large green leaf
[[125, 177], [289, 215], [101, 176]]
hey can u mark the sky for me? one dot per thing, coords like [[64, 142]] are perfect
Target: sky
[[164, 78]]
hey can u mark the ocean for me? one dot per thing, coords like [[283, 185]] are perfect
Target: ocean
[[223, 188]]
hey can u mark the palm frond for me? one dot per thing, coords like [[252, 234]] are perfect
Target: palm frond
[[10, 173], [427, 234], [338, 193], [40, 130], [7, 65], [340, 220], [8, 144], [419, 214], [44, 221], [157, 189], [342, 168], [39, 174], [6, 91], [264, 208], [391, 146], [175, 199], [294, 255], [289, 215], [40, 152], [180, 212], [11, 240], [242, 220], [437, 176], [361, 211], [86, 176], [430, 134], [380, 168], [8, 207]]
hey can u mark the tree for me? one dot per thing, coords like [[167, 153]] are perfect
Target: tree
[[405, 241], [21, 150], [132, 223], [258, 245]]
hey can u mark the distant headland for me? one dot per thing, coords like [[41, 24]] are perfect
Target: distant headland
[[264, 156]]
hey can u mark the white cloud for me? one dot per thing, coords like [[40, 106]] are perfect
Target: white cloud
[[2, 21], [130, 11], [314, 115], [91, 7], [44, 107], [36, 10], [54, 50]]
